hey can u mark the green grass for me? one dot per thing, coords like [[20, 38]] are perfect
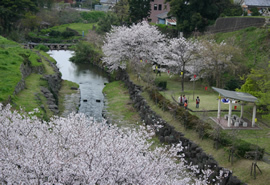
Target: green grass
[[31, 97], [255, 43], [65, 89], [120, 106], [79, 27], [11, 57]]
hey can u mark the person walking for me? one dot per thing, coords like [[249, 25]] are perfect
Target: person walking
[[197, 102], [184, 98]]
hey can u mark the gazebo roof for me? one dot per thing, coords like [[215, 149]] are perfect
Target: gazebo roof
[[236, 95]]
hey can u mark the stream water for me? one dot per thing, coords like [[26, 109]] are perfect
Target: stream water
[[90, 78]]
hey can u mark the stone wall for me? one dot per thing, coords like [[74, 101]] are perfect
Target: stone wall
[[235, 23], [54, 82], [26, 69], [193, 153]]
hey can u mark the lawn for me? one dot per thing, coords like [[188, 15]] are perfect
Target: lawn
[[79, 27]]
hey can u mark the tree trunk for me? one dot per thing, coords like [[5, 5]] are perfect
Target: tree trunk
[[183, 77]]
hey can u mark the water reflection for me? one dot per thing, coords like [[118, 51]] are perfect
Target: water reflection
[[90, 78]]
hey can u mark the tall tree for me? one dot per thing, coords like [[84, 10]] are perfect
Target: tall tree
[[196, 13], [180, 53], [140, 42], [216, 59], [139, 10], [78, 150], [12, 11], [258, 84], [121, 9]]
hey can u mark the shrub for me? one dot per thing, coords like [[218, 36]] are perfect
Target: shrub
[[86, 53], [67, 34], [42, 47], [54, 33], [162, 85]]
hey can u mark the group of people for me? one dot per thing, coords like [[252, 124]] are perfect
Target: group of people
[[184, 102]]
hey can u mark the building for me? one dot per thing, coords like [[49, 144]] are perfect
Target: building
[[260, 4], [158, 7], [163, 18]]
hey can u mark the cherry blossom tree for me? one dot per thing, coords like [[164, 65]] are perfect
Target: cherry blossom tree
[[139, 43], [77, 150], [217, 58], [180, 53]]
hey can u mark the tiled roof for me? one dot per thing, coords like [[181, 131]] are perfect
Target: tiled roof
[[163, 15], [258, 3]]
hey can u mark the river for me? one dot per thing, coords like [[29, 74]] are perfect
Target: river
[[90, 78]]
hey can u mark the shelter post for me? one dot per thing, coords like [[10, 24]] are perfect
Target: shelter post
[[254, 115], [230, 113], [219, 105], [242, 111]]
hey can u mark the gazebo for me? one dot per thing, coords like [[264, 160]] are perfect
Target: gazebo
[[236, 96]]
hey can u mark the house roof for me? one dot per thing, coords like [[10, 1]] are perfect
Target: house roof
[[163, 15], [171, 21], [257, 3], [236, 95], [108, 1]]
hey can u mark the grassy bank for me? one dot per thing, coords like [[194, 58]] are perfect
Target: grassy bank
[[119, 107], [254, 42], [65, 90], [12, 55]]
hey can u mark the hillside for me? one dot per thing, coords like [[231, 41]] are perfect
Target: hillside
[[254, 42]]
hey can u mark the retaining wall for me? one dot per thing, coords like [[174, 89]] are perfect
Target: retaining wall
[[235, 23]]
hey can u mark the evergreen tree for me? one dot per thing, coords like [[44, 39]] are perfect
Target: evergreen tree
[[139, 10], [12, 11], [196, 13]]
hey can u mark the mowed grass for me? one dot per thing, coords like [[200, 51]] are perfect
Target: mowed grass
[[79, 27], [120, 107]]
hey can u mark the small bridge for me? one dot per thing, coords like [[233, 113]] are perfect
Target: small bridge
[[51, 46]]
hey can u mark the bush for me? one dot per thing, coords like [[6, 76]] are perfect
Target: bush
[[42, 47], [86, 53], [54, 33], [105, 23], [255, 11], [67, 34], [162, 85]]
